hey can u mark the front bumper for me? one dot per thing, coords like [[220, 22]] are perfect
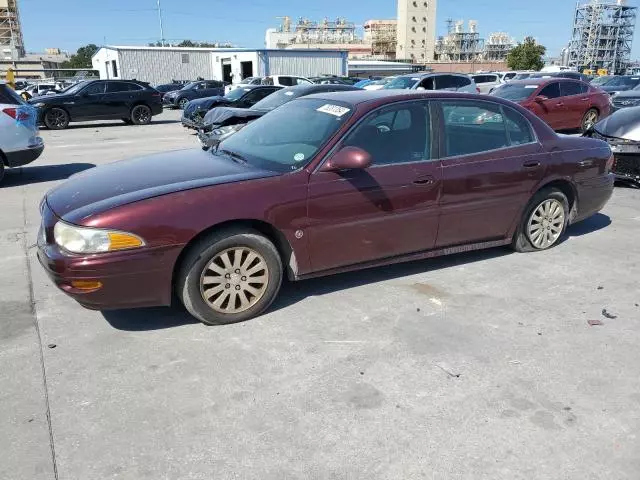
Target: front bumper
[[130, 279], [24, 157], [168, 102], [191, 123]]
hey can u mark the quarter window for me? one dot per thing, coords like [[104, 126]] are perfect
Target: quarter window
[[398, 134], [518, 127], [551, 91], [116, 87], [472, 127]]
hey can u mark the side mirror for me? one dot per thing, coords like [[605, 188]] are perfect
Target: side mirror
[[540, 98], [348, 158]]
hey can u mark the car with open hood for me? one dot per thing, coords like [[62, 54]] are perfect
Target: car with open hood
[[222, 122], [242, 97], [621, 130], [324, 184]]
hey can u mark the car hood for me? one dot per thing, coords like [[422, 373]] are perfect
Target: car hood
[[230, 116], [207, 102], [616, 88], [57, 98], [629, 94], [127, 181], [624, 123]]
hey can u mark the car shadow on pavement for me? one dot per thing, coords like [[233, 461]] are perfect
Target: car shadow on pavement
[[591, 224], [143, 319], [42, 173], [116, 123]]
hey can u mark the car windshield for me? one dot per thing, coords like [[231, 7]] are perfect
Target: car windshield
[[236, 94], [276, 99], [515, 93], [190, 86], [623, 82], [288, 138], [600, 80], [74, 88], [402, 83]]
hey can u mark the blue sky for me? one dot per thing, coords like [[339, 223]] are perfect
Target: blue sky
[[68, 24]]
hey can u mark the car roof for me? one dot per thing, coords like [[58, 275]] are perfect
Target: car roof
[[542, 81], [360, 96], [431, 74]]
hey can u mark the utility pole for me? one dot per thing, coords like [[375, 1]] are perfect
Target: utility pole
[[161, 28]]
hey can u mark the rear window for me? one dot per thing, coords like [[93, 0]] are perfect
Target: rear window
[[515, 92], [9, 97]]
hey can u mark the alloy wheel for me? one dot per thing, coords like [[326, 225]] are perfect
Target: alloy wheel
[[590, 119], [141, 115], [234, 280], [183, 103], [57, 118], [546, 223]]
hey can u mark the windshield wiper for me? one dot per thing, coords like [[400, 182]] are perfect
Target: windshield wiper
[[236, 157]]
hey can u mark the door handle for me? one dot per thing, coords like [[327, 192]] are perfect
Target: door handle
[[585, 163], [560, 104], [422, 181], [532, 164], [585, 99]]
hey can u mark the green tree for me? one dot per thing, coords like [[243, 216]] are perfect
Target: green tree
[[526, 56], [82, 58]]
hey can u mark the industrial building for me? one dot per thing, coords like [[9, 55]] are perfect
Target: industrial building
[[602, 35], [11, 41], [416, 32], [165, 64], [382, 35], [460, 45], [33, 66]]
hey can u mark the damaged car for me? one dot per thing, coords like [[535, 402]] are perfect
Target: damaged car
[[223, 122], [621, 131]]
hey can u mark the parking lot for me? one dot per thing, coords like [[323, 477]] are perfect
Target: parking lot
[[481, 365]]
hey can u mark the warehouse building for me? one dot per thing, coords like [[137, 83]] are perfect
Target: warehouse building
[[165, 64]]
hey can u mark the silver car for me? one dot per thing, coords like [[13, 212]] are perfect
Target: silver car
[[486, 82], [433, 81]]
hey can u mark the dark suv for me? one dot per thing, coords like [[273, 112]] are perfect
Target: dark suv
[[132, 101], [193, 90]]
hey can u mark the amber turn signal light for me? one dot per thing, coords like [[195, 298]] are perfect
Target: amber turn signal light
[[122, 241], [86, 284]]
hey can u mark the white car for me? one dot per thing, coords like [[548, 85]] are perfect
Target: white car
[[243, 83], [285, 80], [38, 89], [486, 82], [378, 84], [20, 143]]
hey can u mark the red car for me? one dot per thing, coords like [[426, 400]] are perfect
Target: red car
[[563, 103], [324, 184]]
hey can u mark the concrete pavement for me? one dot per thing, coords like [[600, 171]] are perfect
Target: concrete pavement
[[474, 366]]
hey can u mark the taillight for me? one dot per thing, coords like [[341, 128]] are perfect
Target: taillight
[[610, 164], [477, 90], [13, 113]]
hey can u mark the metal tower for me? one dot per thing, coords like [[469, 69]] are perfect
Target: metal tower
[[602, 35], [11, 42]]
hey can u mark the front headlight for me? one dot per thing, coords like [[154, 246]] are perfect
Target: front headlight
[[39, 104], [226, 131], [76, 239]]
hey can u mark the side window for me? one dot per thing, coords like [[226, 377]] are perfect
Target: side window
[[303, 81], [286, 81], [95, 88], [257, 95], [117, 87], [570, 88], [459, 81], [444, 82], [518, 127], [551, 91], [584, 88], [133, 87], [428, 83], [481, 79], [473, 127], [214, 84], [393, 135]]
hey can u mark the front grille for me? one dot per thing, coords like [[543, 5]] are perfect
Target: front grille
[[627, 165], [626, 103]]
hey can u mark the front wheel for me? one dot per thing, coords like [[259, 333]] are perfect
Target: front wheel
[[544, 222], [140, 115], [56, 119], [182, 103], [230, 276], [589, 120]]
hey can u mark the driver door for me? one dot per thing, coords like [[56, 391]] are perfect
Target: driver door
[[90, 102], [386, 210]]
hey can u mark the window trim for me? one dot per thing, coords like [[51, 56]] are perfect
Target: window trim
[[442, 130], [435, 150]]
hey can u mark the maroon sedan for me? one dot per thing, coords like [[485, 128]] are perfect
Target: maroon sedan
[[324, 184], [563, 103]]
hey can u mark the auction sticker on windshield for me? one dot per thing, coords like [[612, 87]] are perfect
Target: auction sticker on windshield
[[335, 110], [531, 86], [298, 157]]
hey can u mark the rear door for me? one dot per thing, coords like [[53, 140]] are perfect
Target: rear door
[[576, 102], [388, 209], [116, 100], [89, 102], [491, 160]]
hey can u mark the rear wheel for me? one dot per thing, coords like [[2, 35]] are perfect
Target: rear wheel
[[230, 276], [544, 221], [589, 120], [140, 115], [56, 119]]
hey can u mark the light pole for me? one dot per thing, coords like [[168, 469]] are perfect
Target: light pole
[[161, 28]]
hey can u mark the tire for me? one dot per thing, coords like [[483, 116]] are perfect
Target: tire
[[127, 121], [589, 119], [207, 256], [2, 169], [141, 115], [182, 103], [526, 238], [56, 119]]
